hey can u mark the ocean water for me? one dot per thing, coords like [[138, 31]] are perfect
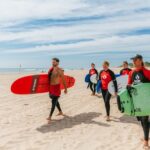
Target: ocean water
[[22, 70], [71, 62]]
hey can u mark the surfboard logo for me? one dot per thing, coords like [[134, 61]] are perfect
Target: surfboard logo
[[34, 84]]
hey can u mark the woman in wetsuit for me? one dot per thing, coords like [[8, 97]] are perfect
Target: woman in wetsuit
[[140, 75], [107, 75], [93, 71]]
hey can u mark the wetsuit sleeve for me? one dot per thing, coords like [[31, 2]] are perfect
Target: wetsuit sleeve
[[130, 78], [96, 71], [147, 73], [100, 75], [96, 74], [114, 80]]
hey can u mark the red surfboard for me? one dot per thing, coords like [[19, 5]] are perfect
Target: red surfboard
[[37, 84]]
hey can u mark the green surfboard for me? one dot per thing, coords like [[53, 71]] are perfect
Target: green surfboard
[[141, 99], [137, 103], [126, 103]]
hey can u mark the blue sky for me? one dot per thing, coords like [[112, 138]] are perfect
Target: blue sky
[[77, 31]]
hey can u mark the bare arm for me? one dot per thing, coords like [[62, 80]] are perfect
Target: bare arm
[[63, 80]]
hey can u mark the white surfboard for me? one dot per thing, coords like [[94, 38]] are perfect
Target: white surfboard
[[93, 78], [122, 82]]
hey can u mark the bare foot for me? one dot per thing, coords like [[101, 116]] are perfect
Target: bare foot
[[49, 121], [108, 118], [61, 114], [146, 147], [49, 118], [142, 140]]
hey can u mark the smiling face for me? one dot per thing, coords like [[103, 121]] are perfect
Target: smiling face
[[138, 63]]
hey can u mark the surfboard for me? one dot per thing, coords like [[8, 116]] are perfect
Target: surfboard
[[138, 102], [37, 84], [98, 87], [87, 78], [141, 99], [122, 82], [126, 102], [93, 78]]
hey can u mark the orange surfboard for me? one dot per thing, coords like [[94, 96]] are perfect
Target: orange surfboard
[[37, 84]]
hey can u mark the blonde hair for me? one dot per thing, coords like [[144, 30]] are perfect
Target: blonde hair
[[106, 63]]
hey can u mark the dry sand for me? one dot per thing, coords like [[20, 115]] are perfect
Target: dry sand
[[23, 124]]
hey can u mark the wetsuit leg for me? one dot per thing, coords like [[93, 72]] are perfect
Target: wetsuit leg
[[107, 103], [54, 104], [145, 126], [94, 88], [91, 86], [58, 106], [106, 97], [104, 94]]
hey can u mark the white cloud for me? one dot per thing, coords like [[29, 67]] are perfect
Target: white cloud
[[99, 45], [13, 10], [121, 17], [17, 10]]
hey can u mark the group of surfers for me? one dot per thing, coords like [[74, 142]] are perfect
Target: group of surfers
[[140, 74]]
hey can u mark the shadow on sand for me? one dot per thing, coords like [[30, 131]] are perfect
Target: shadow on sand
[[125, 119], [69, 122]]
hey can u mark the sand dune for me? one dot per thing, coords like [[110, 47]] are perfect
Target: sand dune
[[23, 122]]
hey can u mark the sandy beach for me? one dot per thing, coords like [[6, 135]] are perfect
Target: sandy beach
[[23, 122]]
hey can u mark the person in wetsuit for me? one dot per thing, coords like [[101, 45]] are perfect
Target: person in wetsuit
[[140, 75], [55, 74], [107, 75], [126, 70], [93, 71]]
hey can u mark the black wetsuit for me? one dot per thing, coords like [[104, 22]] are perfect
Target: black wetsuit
[[55, 103], [106, 77]]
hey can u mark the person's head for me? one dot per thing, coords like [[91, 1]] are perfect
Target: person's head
[[125, 64], [92, 65], [105, 65], [138, 61], [55, 62]]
